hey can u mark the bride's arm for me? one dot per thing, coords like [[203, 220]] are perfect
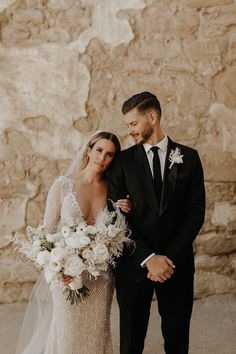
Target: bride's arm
[[53, 207]]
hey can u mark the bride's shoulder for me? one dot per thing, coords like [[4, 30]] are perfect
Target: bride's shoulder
[[62, 182]]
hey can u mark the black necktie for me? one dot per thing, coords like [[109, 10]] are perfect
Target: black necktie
[[157, 172]]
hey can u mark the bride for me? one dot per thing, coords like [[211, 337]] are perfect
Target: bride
[[59, 327]]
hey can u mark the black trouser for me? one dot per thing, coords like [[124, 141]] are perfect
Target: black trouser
[[175, 300]]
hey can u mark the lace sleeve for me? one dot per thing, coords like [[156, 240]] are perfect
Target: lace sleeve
[[53, 207]]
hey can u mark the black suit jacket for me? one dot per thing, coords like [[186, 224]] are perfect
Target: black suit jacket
[[168, 227]]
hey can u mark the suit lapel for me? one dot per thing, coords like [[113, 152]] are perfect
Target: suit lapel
[[145, 178], [169, 180]]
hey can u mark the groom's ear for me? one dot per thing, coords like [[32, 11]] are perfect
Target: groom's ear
[[153, 117]]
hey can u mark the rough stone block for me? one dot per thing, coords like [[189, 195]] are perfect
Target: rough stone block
[[225, 86], [223, 213], [56, 35], [61, 4], [37, 123], [182, 25], [4, 4], [206, 3], [28, 15], [14, 33], [215, 244], [211, 283]]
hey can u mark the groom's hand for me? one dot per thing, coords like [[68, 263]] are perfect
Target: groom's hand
[[160, 268]]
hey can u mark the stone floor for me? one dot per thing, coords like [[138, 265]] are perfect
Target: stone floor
[[213, 328]]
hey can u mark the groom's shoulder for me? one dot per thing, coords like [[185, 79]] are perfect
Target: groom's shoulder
[[189, 153], [184, 148], [130, 151]]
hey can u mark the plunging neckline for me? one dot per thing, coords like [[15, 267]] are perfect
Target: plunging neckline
[[76, 202]]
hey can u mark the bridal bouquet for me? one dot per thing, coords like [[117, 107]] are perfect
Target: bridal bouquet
[[75, 249]]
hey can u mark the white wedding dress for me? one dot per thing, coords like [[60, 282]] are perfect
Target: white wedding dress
[[82, 328]]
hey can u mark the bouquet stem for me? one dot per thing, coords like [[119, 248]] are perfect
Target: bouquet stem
[[76, 296]]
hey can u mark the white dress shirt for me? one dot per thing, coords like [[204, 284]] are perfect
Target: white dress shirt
[[162, 145]]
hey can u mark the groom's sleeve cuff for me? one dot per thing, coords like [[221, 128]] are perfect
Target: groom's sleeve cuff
[[143, 264]]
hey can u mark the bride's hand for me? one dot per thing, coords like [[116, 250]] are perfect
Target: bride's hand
[[66, 279], [124, 204]]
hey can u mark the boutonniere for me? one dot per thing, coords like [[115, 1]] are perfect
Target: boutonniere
[[175, 157]]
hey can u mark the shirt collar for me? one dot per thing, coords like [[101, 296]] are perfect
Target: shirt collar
[[162, 145]]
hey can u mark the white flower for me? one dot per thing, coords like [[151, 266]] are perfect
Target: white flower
[[49, 238], [50, 275], [57, 254], [76, 241], [80, 233], [60, 244], [73, 241], [100, 253], [74, 265], [175, 157], [76, 283], [92, 230], [43, 257], [53, 237], [37, 243], [39, 231], [65, 231], [82, 226], [84, 240], [55, 266], [40, 228]]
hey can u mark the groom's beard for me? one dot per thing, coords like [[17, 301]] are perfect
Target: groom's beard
[[142, 137]]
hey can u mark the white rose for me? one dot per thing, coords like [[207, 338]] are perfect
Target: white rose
[[76, 241], [80, 233], [92, 230], [84, 240], [101, 253], [57, 254], [76, 283], [43, 257], [73, 241], [55, 266], [74, 265], [50, 275]]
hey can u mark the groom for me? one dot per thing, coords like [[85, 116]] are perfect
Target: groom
[[165, 182]]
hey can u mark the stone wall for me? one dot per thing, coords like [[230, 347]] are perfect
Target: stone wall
[[66, 66]]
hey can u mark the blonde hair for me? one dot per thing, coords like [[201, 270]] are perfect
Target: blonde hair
[[81, 160], [92, 141]]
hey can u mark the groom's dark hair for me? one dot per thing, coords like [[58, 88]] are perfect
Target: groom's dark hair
[[142, 101]]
